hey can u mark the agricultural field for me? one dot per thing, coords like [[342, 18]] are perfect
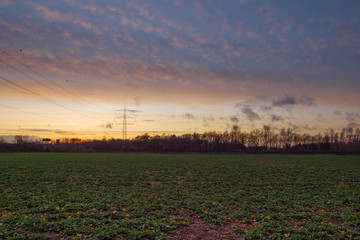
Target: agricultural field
[[179, 196]]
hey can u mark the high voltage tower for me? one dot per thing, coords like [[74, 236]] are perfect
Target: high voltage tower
[[125, 118]]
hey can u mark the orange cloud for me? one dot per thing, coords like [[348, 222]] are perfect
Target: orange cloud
[[52, 15], [93, 8], [13, 27], [180, 43], [142, 9]]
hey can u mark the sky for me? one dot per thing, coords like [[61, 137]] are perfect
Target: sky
[[67, 68]]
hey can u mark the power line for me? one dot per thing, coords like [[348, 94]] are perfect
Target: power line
[[32, 113], [39, 82], [32, 93], [36, 95], [73, 95], [11, 87], [36, 72], [21, 87]]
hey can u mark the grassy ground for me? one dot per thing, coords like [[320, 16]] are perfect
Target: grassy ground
[[159, 196]]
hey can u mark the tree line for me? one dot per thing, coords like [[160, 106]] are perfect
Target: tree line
[[264, 140]]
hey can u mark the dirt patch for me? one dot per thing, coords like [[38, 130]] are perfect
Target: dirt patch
[[6, 214], [153, 172], [339, 185], [49, 183], [209, 181], [179, 182], [296, 224], [150, 196], [21, 231], [53, 235], [337, 223], [334, 222], [299, 179], [328, 220], [199, 230], [80, 178], [249, 226], [156, 183]]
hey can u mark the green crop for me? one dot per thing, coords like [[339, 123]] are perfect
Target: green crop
[[158, 196]]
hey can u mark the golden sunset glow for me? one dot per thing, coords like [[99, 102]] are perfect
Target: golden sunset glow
[[68, 67]]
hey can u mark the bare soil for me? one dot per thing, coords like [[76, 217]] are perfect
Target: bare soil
[[200, 230]]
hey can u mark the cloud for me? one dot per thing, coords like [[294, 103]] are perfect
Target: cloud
[[188, 116], [287, 25], [14, 27], [250, 114], [352, 119], [180, 43], [87, 25], [337, 113], [67, 132], [275, 118], [136, 101], [45, 130], [200, 9], [142, 10], [149, 120], [224, 43], [36, 129], [310, 128], [178, 3], [265, 108], [241, 2], [93, 8], [353, 125], [6, 2], [294, 126], [108, 125], [234, 119], [287, 101], [208, 118], [253, 106], [260, 102], [352, 116], [53, 16]]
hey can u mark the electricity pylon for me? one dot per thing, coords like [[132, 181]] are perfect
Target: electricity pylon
[[125, 119]]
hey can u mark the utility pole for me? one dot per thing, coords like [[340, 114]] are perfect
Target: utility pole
[[125, 119]]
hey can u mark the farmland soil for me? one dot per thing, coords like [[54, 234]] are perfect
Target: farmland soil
[[199, 230]]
